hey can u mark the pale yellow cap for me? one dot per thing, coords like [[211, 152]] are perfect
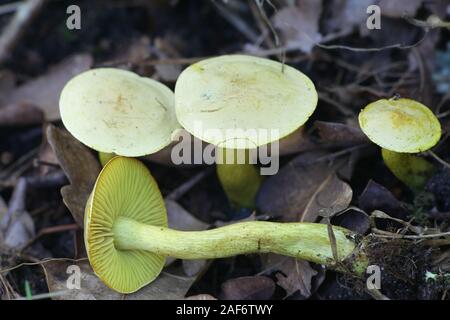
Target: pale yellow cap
[[227, 100]]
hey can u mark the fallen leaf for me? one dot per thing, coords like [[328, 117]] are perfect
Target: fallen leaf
[[21, 114], [57, 274], [195, 267], [340, 133], [295, 275], [377, 197], [17, 227], [299, 24], [80, 166], [288, 193], [180, 219], [332, 196], [353, 220], [44, 91], [248, 288], [7, 83], [165, 287], [295, 142]]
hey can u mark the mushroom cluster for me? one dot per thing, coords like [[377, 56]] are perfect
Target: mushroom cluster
[[117, 112]]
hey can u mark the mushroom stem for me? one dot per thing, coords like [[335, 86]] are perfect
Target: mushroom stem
[[240, 181], [306, 241], [412, 170]]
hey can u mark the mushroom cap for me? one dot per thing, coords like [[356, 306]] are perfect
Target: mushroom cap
[[124, 188], [227, 99], [117, 111], [401, 125]]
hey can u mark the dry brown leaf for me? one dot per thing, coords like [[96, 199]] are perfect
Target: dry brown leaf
[[340, 133], [202, 296], [295, 275], [3, 208], [346, 15], [288, 193], [295, 142], [377, 197], [248, 288], [91, 288], [166, 286], [80, 166], [180, 219], [332, 196], [44, 91], [299, 25], [21, 114], [399, 8]]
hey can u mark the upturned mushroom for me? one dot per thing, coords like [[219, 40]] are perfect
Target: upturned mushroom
[[239, 102], [127, 238], [117, 111], [402, 127]]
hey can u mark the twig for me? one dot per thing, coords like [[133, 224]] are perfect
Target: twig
[[37, 262], [330, 156], [51, 230], [153, 62], [438, 159], [23, 17], [411, 237]]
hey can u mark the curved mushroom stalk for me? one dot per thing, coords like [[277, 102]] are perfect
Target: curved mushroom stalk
[[402, 127], [306, 241], [127, 238]]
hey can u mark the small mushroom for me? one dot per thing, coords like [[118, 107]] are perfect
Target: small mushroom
[[127, 238], [228, 100], [402, 127], [117, 111]]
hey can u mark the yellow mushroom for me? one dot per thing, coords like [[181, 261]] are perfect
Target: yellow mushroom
[[402, 127]]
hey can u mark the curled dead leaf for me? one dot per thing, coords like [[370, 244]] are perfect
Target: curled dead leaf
[[80, 166]]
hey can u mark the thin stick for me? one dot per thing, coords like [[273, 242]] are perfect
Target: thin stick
[[438, 159]]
